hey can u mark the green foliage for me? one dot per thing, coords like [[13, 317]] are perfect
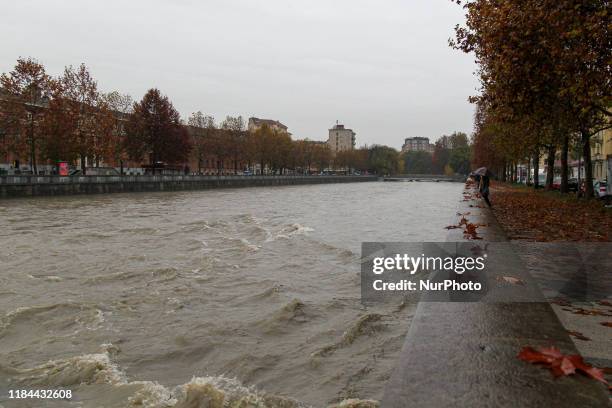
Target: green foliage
[[383, 159], [459, 159], [417, 162]]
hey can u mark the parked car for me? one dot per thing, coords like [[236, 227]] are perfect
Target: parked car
[[572, 185], [601, 188]]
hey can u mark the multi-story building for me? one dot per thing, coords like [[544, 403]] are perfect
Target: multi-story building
[[340, 139], [601, 154], [419, 144], [257, 123]]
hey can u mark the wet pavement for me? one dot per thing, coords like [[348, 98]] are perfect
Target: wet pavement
[[465, 354]]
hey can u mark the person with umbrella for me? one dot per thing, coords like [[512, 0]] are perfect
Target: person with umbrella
[[482, 175]]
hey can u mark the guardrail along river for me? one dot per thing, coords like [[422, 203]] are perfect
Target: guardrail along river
[[167, 299]]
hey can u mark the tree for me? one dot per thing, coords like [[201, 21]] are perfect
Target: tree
[[459, 160], [281, 151], [235, 136], [93, 128], [26, 89], [259, 146], [322, 156], [121, 107], [544, 66], [203, 137], [154, 131], [383, 160], [417, 162]]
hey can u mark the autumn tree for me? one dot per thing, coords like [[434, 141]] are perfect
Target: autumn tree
[[154, 131], [26, 90], [544, 64], [281, 150], [121, 107], [57, 127], [259, 146], [322, 155], [93, 125], [235, 136], [204, 136]]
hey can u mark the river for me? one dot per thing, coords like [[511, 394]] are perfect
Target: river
[[172, 299]]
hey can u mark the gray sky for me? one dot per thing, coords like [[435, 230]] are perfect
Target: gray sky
[[380, 67]]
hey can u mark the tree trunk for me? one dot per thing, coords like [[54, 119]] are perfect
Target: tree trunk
[[33, 157], [83, 168], [536, 170], [564, 167], [517, 176], [33, 146], [588, 168], [550, 167], [528, 171]]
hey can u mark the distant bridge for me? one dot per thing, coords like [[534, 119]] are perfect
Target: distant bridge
[[425, 177]]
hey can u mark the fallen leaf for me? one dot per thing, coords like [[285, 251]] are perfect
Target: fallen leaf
[[561, 302], [511, 279], [592, 312], [604, 303], [560, 364], [578, 335], [607, 324]]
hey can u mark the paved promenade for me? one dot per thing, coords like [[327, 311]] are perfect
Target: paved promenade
[[465, 354]]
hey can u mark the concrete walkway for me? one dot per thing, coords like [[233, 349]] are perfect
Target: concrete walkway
[[465, 354]]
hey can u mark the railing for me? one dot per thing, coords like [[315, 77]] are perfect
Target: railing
[[30, 179]]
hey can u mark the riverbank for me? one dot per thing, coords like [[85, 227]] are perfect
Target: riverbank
[[31, 186], [547, 216]]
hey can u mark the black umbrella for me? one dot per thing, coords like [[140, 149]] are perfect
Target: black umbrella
[[483, 171]]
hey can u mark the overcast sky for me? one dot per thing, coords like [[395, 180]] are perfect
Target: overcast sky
[[381, 67]]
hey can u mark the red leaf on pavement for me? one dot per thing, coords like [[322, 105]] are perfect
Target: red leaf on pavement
[[532, 355], [593, 372], [551, 351], [578, 335], [604, 303], [607, 324], [560, 364]]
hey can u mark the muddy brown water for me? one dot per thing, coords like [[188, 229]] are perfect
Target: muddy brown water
[[191, 298]]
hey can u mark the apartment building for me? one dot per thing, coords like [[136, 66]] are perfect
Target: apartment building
[[340, 138]]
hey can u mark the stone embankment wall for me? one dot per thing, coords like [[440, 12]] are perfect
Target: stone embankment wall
[[27, 186]]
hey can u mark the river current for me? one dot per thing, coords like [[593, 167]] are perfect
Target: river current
[[186, 299]]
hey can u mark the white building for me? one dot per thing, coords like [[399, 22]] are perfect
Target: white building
[[340, 139]]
